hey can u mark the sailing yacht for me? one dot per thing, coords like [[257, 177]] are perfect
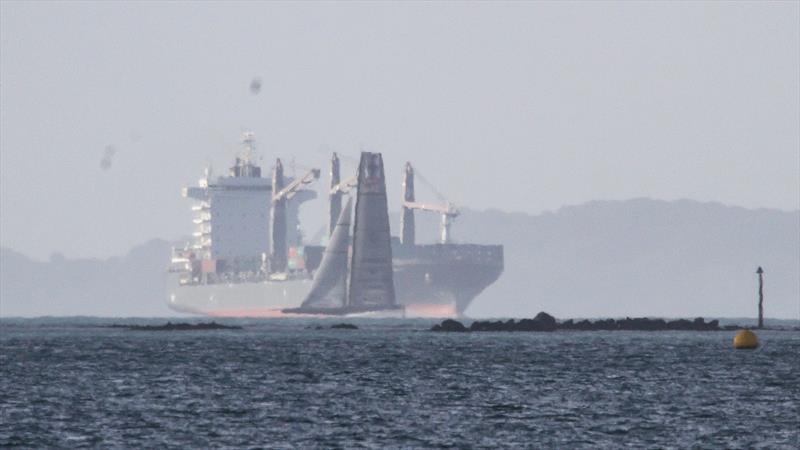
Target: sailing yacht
[[363, 283]]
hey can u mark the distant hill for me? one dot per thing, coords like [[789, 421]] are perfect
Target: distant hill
[[132, 285], [636, 257], [605, 258]]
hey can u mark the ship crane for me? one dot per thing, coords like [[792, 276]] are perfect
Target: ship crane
[[345, 186], [447, 209], [278, 261], [291, 189]]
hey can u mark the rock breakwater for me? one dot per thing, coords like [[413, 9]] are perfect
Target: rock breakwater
[[546, 322]]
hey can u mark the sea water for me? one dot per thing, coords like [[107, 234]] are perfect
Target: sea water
[[391, 383]]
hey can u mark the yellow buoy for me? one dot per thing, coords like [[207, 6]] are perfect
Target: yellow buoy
[[745, 339]]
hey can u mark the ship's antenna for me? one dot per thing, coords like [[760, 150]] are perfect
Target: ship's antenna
[[248, 141]]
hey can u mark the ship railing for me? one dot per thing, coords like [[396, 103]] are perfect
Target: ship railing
[[477, 252], [239, 277]]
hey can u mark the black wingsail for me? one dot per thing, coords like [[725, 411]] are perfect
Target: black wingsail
[[371, 277]]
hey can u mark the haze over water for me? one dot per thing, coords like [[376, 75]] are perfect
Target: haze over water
[[634, 158], [67, 383]]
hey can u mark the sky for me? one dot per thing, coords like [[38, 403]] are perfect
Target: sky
[[108, 109]]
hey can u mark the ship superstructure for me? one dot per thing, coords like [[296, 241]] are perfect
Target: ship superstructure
[[235, 230]]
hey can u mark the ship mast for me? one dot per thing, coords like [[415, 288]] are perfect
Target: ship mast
[[278, 259], [248, 141], [244, 166], [407, 227], [446, 209]]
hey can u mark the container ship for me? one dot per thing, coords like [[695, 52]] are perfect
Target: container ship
[[248, 257]]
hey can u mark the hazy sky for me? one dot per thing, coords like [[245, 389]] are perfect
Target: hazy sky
[[517, 106]]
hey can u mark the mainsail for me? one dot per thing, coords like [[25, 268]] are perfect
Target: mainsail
[[330, 280], [371, 277]]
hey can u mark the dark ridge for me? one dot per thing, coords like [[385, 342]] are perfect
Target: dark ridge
[[338, 326], [178, 327], [546, 322]]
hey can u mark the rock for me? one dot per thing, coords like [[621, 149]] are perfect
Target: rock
[[528, 325], [450, 325], [546, 322], [490, 326], [344, 326], [545, 318]]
